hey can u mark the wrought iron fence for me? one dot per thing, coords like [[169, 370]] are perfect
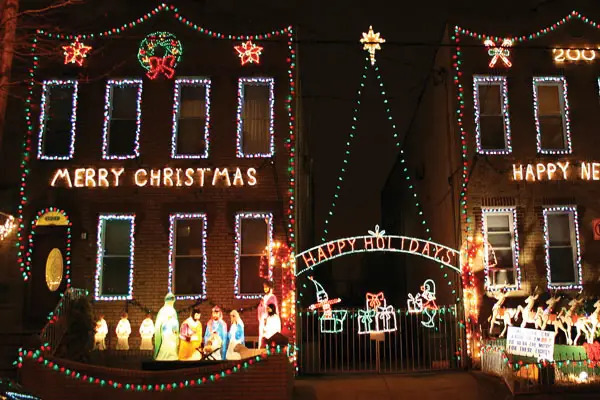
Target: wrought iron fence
[[54, 330], [411, 348], [538, 377]]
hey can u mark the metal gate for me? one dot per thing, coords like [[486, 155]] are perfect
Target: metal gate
[[411, 348]]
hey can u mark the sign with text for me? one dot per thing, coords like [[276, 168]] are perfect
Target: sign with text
[[556, 171], [530, 343], [52, 218]]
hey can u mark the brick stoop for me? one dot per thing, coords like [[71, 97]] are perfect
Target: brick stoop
[[270, 379]]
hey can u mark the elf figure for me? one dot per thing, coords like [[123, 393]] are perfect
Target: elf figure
[[217, 326], [268, 299], [123, 331], [146, 333], [100, 332]]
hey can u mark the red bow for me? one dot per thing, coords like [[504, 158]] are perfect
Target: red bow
[[374, 300], [164, 65]]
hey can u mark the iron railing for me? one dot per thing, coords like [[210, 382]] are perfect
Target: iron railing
[[55, 329], [411, 348], [572, 372]]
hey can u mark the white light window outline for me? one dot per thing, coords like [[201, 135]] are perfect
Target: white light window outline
[[239, 217], [179, 84], [255, 81], [577, 284], [502, 83], [560, 83], [511, 212], [44, 106], [102, 219], [108, 102], [173, 218]]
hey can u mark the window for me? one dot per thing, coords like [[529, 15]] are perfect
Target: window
[[563, 254], [191, 118], [114, 264], [253, 233], [187, 255], [56, 140], [122, 119], [501, 256], [255, 132], [492, 121], [551, 111]]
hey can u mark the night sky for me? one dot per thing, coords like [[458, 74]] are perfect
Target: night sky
[[331, 63]]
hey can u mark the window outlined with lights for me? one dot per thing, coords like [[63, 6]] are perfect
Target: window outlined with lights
[[551, 113], [253, 236], [255, 118], [562, 248], [122, 119], [191, 118], [187, 255], [115, 257], [501, 248], [492, 118], [58, 119]]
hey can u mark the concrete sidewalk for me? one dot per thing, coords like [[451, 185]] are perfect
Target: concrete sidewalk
[[457, 385]]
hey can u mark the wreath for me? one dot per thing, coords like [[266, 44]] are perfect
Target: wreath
[[159, 53]]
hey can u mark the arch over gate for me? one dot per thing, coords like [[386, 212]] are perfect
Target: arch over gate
[[377, 241]]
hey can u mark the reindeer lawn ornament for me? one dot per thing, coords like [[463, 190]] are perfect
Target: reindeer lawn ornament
[[594, 321], [527, 313], [587, 325], [500, 313], [546, 316], [568, 319]]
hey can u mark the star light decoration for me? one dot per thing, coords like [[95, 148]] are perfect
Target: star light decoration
[[372, 42], [249, 52], [76, 52]]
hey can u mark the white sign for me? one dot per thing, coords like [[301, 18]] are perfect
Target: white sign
[[530, 343]]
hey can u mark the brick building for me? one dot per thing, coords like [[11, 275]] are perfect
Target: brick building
[[167, 161], [509, 118]]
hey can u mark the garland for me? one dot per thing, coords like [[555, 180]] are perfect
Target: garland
[[168, 386]]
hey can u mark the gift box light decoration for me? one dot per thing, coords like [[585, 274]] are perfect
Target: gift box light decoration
[[424, 303], [159, 53], [377, 317], [330, 321]]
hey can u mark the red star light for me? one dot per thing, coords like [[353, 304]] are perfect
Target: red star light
[[249, 52], [76, 52]]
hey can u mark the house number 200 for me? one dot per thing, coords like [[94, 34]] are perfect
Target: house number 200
[[562, 55]]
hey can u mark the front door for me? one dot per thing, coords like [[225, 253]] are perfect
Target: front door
[[47, 274]]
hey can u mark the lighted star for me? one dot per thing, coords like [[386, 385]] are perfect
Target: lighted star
[[372, 42], [76, 52], [249, 52]]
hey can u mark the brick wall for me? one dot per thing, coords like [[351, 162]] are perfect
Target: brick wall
[[270, 379], [152, 205]]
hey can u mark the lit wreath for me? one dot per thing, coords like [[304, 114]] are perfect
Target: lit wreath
[[159, 53]]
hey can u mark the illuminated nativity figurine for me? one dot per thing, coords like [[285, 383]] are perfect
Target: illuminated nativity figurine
[[212, 346], [146, 333], [217, 326], [100, 332], [331, 321], [236, 335], [424, 303], [166, 331], [272, 324], [378, 317], [268, 299], [123, 331], [190, 337]]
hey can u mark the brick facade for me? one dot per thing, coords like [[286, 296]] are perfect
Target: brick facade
[[490, 176], [205, 57]]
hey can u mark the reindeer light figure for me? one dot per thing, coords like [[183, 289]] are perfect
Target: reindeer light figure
[[500, 313], [527, 312], [566, 320], [545, 316]]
